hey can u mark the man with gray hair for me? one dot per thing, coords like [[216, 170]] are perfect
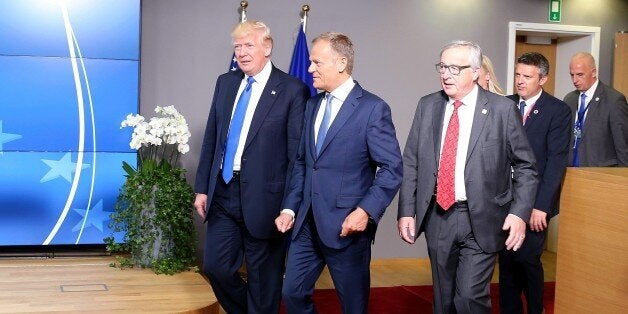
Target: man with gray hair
[[600, 114], [347, 172], [469, 181]]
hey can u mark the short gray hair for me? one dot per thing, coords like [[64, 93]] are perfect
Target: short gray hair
[[341, 44], [475, 52]]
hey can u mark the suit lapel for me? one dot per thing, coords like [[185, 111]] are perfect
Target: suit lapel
[[265, 103], [437, 124], [347, 108], [482, 111], [229, 101], [533, 115], [318, 99]]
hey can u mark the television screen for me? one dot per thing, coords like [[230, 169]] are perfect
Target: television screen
[[69, 74]]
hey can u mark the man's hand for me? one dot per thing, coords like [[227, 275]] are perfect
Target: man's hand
[[356, 221], [517, 232], [200, 203], [284, 222], [406, 229], [538, 220]]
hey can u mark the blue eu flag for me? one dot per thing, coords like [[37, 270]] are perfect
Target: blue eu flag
[[300, 62], [233, 66]]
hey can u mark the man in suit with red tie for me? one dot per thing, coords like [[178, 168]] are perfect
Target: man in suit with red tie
[[469, 181], [250, 144], [347, 172], [547, 122], [601, 118]]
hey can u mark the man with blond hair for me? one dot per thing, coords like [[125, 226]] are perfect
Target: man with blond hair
[[250, 144], [600, 136]]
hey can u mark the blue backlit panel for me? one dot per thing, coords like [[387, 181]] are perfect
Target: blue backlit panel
[[69, 74]]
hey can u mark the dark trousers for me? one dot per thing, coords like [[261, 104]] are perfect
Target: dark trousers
[[522, 272], [461, 271], [349, 269], [227, 244]]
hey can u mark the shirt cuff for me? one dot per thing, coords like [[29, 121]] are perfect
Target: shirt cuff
[[288, 211]]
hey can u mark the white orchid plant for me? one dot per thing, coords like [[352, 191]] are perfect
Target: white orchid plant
[[153, 207], [156, 139]]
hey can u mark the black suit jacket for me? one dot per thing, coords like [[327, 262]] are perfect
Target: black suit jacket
[[548, 127], [605, 134], [270, 148]]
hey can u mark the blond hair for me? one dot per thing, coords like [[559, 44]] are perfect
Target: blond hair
[[247, 27], [493, 84]]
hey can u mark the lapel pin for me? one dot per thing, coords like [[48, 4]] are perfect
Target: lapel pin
[[597, 98], [536, 111], [273, 92], [484, 111]]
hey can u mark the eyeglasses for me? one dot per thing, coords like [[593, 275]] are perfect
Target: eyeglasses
[[453, 69]]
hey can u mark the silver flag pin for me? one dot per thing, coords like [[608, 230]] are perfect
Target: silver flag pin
[[484, 111], [273, 92]]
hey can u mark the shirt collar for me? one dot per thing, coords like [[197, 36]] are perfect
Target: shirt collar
[[531, 100], [341, 92], [469, 99], [591, 90], [263, 76]]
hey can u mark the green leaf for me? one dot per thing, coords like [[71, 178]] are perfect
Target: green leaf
[[128, 169]]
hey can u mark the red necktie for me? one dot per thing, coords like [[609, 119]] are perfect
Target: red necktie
[[445, 184]]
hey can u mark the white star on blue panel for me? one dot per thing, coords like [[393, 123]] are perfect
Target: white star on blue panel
[[96, 217], [6, 137], [61, 168]]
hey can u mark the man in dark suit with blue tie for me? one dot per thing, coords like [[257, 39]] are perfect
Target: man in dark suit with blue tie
[[250, 144], [347, 172], [600, 118], [469, 181], [547, 122]]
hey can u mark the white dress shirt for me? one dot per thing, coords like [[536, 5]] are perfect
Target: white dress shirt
[[587, 100], [529, 105], [340, 94], [257, 87], [465, 119]]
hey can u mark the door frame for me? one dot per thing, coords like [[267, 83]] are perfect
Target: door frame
[[557, 30]]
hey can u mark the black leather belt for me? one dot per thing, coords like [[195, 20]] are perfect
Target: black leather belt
[[236, 175], [461, 204]]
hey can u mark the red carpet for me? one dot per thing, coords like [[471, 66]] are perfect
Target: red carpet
[[408, 299]]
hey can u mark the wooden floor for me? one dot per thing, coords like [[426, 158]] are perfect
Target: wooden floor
[[79, 285], [88, 284]]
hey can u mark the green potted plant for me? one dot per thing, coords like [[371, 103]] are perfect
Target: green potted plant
[[154, 206]]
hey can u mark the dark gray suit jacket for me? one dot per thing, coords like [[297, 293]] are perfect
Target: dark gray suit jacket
[[498, 144], [605, 133]]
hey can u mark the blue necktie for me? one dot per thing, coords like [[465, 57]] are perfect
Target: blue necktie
[[578, 128], [235, 128], [322, 130], [522, 108]]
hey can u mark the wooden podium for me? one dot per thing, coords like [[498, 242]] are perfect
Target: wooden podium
[[592, 259]]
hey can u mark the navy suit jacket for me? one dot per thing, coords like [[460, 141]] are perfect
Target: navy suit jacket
[[605, 134], [359, 165], [270, 148], [548, 127]]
